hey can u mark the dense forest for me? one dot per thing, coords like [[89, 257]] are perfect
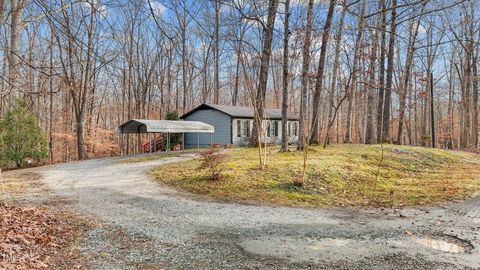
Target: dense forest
[[357, 71]]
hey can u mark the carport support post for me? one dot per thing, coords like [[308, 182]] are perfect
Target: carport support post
[[168, 141], [183, 141], [127, 142], [140, 146], [198, 140], [211, 141], [149, 143], [155, 142], [121, 143]]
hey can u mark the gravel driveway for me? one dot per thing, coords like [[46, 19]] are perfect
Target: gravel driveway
[[150, 226]]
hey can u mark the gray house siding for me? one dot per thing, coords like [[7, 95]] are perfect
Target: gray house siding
[[221, 122], [243, 139]]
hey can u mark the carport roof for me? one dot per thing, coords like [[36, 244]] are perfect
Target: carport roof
[[164, 126]]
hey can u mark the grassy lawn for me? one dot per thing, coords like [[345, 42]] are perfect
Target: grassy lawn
[[341, 175]]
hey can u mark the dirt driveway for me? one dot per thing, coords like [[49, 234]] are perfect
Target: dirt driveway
[[149, 226]]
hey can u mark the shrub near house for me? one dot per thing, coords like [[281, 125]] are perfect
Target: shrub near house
[[213, 160], [21, 137]]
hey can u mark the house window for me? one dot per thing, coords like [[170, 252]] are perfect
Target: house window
[[292, 129], [243, 128], [272, 129], [239, 128]]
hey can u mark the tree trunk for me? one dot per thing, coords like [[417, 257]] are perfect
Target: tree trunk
[[389, 82], [82, 98], [17, 8], [450, 119], [353, 85], [237, 78], [2, 9], [336, 65], [413, 29], [302, 133], [79, 119], [314, 137], [259, 104], [286, 36], [217, 53], [381, 72], [183, 26], [475, 101], [465, 138], [474, 48], [369, 136], [50, 107]]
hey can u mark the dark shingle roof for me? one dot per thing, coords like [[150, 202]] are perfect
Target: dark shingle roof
[[242, 112]]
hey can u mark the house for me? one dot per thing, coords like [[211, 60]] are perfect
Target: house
[[233, 125]]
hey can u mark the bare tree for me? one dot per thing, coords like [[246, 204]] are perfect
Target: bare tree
[[217, 6], [77, 72], [332, 111], [302, 131], [381, 71], [353, 84], [369, 136], [314, 137], [389, 82], [17, 8], [259, 104], [413, 32], [285, 79]]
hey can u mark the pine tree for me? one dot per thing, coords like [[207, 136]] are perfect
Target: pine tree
[[20, 135]]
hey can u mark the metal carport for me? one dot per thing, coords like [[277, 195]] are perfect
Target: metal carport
[[139, 126]]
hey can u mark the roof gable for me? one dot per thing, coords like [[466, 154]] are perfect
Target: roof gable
[[241, 112]]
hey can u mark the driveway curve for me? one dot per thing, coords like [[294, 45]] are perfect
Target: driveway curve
[[146, 225]]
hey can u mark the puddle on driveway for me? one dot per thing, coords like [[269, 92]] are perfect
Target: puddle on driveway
[[308, 249], [327, 243], [305, 249], [441, 245]]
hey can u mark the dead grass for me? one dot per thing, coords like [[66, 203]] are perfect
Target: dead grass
[[155, 156], [341, 175], [18, 182]]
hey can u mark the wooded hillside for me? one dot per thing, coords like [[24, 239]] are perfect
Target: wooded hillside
[[357, 71]]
